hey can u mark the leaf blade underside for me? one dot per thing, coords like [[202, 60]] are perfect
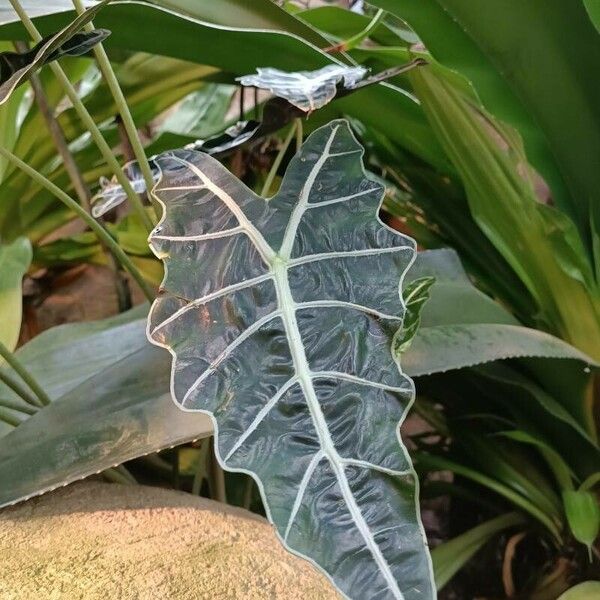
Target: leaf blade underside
[[280, 317]]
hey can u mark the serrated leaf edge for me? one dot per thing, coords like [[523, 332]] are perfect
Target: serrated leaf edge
[[281, 283]]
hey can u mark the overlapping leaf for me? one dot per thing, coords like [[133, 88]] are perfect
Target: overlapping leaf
[[110, 406], [15, 67], [280, 317]]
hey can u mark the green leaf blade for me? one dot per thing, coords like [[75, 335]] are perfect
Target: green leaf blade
[[15, 259], [280, 317]]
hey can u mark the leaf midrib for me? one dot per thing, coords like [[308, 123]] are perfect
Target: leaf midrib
[[305, 379]]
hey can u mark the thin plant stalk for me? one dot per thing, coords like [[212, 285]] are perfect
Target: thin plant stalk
[[13, 405], [18, 389], [299, 134], [217, 476], [77, 180], [102, 234], [119, 98], [119, 474], [357, 39], [56, 132], [277, 162], [24, 374], [200, 472], [248, 489], [89, 123], [9, 419]]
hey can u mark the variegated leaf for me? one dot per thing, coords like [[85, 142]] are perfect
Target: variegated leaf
[[280, 317]]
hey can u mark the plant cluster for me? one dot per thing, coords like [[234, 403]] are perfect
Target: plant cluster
[[342, 206]]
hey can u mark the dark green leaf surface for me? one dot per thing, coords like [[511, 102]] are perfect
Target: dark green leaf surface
[[280, 317], [110, 405], [240, 51], [15, 67], [120, 413]]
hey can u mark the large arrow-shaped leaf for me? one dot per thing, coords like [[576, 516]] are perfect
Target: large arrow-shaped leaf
[[280, 317]]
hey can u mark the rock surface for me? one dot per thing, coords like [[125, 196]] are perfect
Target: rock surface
[[105, 541]]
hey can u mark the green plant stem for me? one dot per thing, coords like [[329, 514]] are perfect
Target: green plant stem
[[102, 234], [26, 410], [217, 476], [24, 374], [77, 180], [357, 39], [119, 474], [57, 135], [200, 473], [248, 489], [18, 389], [8, 418], [117, 94], [278, 159], [85, 116], [299, 134]]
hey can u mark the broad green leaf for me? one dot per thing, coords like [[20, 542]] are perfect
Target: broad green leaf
[[448, 558], [457, 324], [120, 413], [343, 24], [111, 405], [260, 14], [15, 67], [526, 75], [453, 298], [86, 347], [503, 202], [461, 327], [280, 316], [447, 347], [15, 259], [234, 49]]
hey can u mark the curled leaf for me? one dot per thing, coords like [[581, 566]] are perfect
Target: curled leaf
[[416, 294], [16, 67], [280, 317], [307, 90], [111, 192], [236, 135]]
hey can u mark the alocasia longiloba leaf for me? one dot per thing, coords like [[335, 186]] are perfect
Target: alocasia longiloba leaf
[[280, 316]]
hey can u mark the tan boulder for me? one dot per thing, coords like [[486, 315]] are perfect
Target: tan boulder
[[105, 541]]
